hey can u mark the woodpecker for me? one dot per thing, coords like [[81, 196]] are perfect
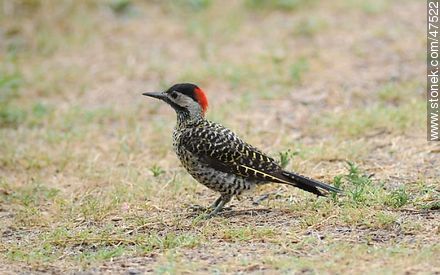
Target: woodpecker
[[216, 157]]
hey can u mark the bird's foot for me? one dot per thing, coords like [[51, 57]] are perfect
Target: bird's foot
[[200, 208], [212, 213], [203, 213]]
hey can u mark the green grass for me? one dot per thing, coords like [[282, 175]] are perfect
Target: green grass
[[297, 70], [88, 179], [361, 190], [398, 198], [96, 246], [373, 118], [286, 157], [348, 254]]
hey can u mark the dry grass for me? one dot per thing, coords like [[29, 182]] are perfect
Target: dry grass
[[88, 180]]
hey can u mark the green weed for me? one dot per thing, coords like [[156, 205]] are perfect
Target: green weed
[[297, 70], [286, 157], [120, 6], [359, 182], [157, 170], [397, 198], [9, 85], [11, 116], [357, 186], [382, 220]]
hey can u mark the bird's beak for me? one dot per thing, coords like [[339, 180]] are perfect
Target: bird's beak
[[155, 95]]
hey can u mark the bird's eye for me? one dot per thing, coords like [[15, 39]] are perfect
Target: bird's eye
[[173, 94]]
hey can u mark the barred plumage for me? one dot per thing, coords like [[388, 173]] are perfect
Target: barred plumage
[[216, 157]]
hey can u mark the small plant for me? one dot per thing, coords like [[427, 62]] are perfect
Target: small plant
[[337, 182], [383, 220], [286, 156], [298, 69], [9, 84], [120, 6], [156, 170], [357, 185], [11, 116], [397, 198], [359, 182]]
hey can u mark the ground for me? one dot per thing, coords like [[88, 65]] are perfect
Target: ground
[[333, 89]]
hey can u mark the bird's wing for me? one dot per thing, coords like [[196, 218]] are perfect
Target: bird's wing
[[221, 149]]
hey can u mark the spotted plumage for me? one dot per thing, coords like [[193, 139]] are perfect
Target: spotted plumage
[[216, 157]]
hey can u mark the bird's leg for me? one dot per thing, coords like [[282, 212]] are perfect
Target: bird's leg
[[216, 203], [223, 201], [212, 207]]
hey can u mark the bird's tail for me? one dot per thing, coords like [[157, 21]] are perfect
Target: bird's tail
[[308, 184]]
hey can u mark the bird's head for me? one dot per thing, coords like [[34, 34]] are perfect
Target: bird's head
[[185, 98]]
